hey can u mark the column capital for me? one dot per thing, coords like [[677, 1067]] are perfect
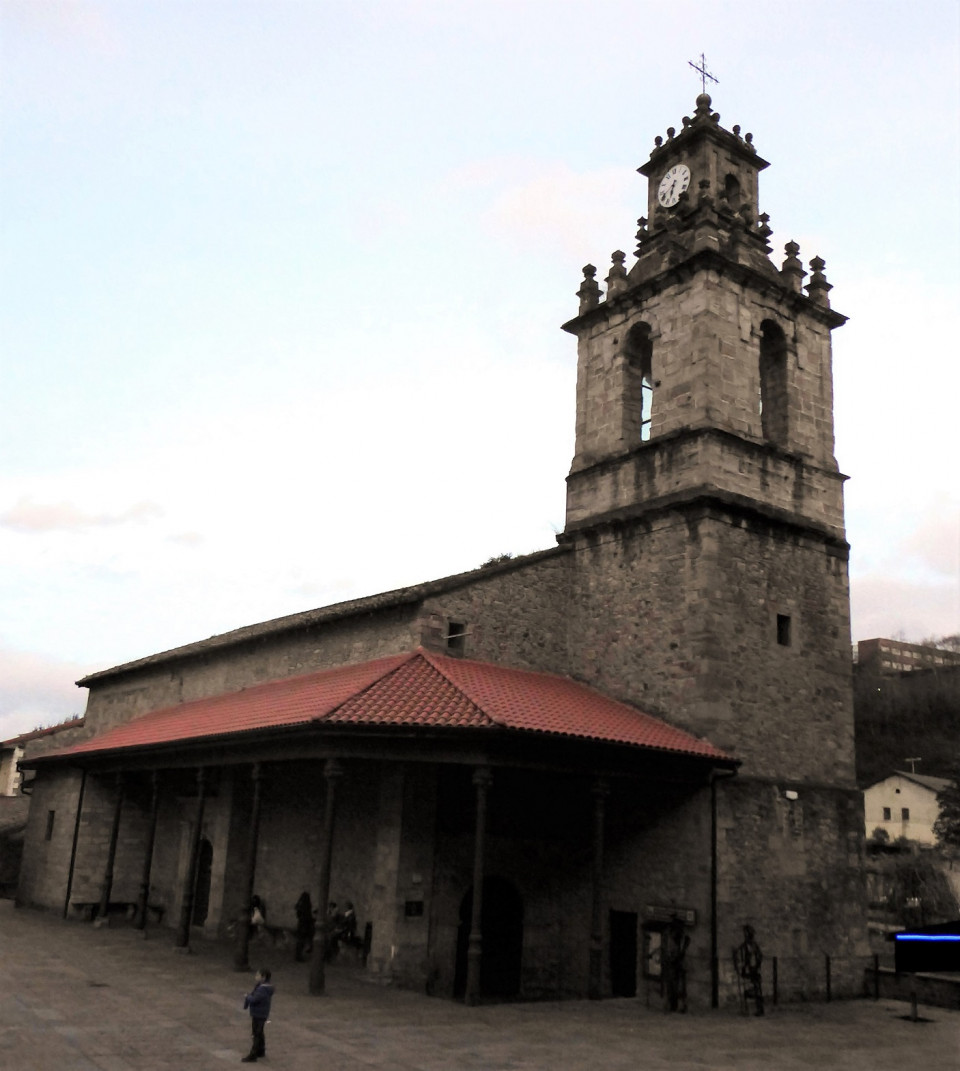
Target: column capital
[[483, 776]]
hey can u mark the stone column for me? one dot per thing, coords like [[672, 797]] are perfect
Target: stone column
[[332, 772], [595, 981], [107, 884], [241, 950], [482, 779], [386, 870], [141, 919], [190, 878]]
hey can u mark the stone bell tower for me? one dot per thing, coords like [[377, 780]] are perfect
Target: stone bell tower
[[704, 493]]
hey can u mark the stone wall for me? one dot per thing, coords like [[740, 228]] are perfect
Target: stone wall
[[46, 862], [706, 331], [793, 869], [677, 613], [686, 464], [514, 616], [658, 855], [226, 668]]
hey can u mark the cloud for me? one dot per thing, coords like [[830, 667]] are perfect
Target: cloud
[[30, 516], [911, 585], [66, 19], [36, 691], [563, 211], [549, 208], [935, 541], [885, 605], [187, 539]]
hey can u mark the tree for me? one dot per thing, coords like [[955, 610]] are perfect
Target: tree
[[947, 825], [945, 643]]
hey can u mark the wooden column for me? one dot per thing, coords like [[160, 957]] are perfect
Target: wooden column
[[332, 772], [241, 951], [595, 980], [73, 847], [142, 899], [107, 884], [482, 779], [190, 878]]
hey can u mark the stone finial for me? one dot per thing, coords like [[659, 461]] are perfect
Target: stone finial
[[792, 270], [589, 292], [617, 279], [703, 104], [670, 132], [748, 138], [642, 234], [746, 214], [736, 130], [818, 288], [658, 141], [764, 229]]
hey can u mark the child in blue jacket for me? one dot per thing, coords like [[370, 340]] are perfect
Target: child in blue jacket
[[258, 1001]]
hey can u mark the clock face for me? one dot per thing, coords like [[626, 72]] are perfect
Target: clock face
[[673, 183]]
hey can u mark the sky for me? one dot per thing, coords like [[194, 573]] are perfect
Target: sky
[[281, 285]]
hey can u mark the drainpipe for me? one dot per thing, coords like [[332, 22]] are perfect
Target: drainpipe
[[715, 775]]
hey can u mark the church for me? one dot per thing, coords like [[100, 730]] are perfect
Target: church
[[522, 776]]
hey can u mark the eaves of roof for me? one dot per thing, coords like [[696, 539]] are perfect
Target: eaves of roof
[[418, 692]]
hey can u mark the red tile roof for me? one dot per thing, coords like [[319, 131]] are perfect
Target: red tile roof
[[36, 734], [419, 688]]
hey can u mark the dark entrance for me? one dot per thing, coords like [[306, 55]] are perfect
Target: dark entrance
[[501, 924], [623, 953], [201, 888]]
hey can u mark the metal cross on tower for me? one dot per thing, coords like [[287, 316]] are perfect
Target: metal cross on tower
[[702, 71]]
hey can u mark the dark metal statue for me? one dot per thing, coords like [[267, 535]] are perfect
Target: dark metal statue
[[747, 962], [673, 969]]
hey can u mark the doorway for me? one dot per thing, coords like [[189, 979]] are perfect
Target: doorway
[[623, 953], [201, 887], [501, 924]]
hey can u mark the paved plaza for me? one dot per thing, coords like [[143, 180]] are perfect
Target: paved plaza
[[76, 998]]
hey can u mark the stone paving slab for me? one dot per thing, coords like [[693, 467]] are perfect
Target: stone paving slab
[[75, 998]]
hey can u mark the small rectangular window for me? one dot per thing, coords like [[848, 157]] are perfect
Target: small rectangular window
[[886, 814], [50, 817], [905, 814], [783, 630], [456, 637]]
